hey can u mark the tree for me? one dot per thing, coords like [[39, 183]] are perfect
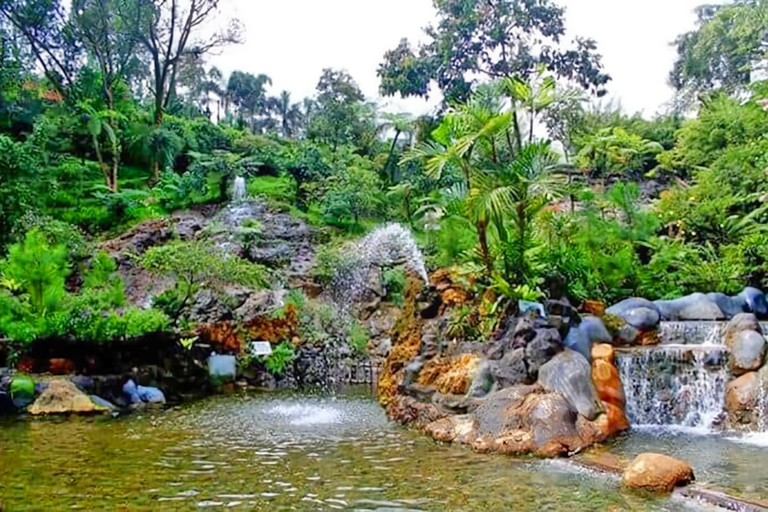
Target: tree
[[169, 30], [247, 93], [496, 39], [721, 53], [45, 28], [342, 116], [288, 114], [400, 123]]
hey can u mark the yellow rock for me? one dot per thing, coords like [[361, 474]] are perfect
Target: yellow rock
[[62, 397], [656, 472]]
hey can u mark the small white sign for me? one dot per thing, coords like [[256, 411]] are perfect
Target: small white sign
[[261, 348]]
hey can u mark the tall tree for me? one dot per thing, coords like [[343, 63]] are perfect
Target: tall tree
[[43, 23], [497, 39], [247, 93], [168, 30], [723, 50]]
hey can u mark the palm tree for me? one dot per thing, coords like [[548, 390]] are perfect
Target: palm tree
[[289, 114]]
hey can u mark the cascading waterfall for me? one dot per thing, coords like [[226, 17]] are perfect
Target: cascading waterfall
[[674, 385], [238, 190]]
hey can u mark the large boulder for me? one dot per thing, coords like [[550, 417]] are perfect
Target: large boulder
[[637, 312], [740, 322], [656, 472], [62, 397], [696, 306], [750, 300], [748, 352], [570, 374], [483, 379]]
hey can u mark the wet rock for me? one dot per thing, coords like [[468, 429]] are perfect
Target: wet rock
[[569, 373], [627, 335], [742, 398], [62, 397], [497, 414], [750, 300], [103, 404], [606, 425], [740, 322], [696, 306], [656, 472], [461, 429], [511, 369], [543, 347], [748, 352]]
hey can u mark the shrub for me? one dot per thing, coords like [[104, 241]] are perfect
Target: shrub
[[281, 357]]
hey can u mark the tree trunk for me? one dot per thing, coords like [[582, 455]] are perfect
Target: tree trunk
[[391, 174], [482, 234]]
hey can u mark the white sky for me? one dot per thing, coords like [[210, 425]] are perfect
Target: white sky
[[293, 40]]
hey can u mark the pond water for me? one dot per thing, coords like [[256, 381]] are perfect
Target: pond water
[[292, 452]]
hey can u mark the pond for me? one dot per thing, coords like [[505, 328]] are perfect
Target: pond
[[284, 451]]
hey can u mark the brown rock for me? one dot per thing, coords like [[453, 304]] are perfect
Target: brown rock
[[515, 443], [602, 351], [593, 307], [608, 382], [62, 397], [441, 430], [604, 426], [656, 472]]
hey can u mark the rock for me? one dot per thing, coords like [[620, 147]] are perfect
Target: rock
[[740, 322], [629, 304], [222, 368], [83, 382], [22, 390], [461, 429], [569, 373], [497, 414], [593, 307], [590, 330], [510, 370], [756, 301], [743, 395], [627, 335], [696, 306], [61, 366], [748, 352], [543, 347], [656, 472], [141, 394], [62, 397], [641, 318], [607, 383], [482, 380], [750, 300], [101, 403], [602, 351]]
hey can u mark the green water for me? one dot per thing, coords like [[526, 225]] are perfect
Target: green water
[[280, 452]]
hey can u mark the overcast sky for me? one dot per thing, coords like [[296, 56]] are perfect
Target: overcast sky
[[293, 40]]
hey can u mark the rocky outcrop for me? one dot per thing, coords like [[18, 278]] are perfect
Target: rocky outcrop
[[744, 397], [696, 306], [62, 397], [657, 473]]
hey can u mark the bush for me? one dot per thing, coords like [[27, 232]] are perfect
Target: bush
[[281, 357]]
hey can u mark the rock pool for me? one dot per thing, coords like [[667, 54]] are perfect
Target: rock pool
[[284, 451]]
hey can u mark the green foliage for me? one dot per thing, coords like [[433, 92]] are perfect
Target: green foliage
[[280, 359], [616, 151], [358, 337], [195, 266], [394, 283]]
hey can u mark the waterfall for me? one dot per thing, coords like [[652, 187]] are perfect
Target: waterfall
[[674, 385], [386, 246], [238, 190]]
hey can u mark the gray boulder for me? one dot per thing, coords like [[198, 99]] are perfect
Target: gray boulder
[[642, 318], [739, 323], [591, 330], [570, 374], [510, 370], [748, 352], [696, 306], [630, 304], [482, 380], [541, 349]]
